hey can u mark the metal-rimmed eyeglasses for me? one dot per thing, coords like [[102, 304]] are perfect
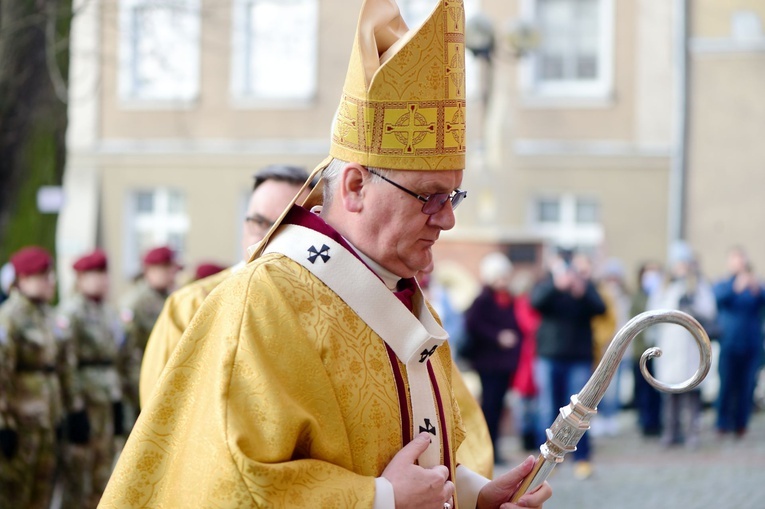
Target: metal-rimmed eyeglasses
[[432, 203]]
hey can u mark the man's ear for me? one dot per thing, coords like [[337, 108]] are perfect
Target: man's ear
[[352, 181]]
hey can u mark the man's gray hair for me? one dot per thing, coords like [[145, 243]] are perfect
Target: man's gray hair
[[332, 172]]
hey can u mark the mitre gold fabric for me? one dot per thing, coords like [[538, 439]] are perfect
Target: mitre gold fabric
[[403, 103]]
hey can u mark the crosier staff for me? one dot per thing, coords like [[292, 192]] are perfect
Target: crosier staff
[[574, 419]]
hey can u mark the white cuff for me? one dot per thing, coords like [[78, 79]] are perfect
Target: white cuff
[[384, 498], [468, 484]]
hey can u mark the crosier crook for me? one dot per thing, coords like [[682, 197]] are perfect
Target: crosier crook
[[574, 420]]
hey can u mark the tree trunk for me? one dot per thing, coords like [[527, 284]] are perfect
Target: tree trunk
[[33, 118]]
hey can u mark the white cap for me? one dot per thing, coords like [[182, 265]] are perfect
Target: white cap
[[494, 266]]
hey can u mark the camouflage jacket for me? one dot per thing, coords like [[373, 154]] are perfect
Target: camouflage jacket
[[140, 310], [94, 335], [35, 375]]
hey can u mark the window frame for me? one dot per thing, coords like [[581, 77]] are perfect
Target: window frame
[[567, 231], [161, 223], [128, 94], [240, 97], [538, 92]]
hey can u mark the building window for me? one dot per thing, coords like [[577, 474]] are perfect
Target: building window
[[274, 60], [548, 210], [159, 50], [587, 211], [568, 220], [575, 54], [156, 217], [523, 253]]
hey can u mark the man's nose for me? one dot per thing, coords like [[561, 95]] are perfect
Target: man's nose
[[444, 218]]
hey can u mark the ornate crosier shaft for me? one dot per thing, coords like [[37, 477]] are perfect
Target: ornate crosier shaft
[[574, 419]]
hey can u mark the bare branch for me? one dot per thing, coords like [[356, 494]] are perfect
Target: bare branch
[[56, 78], [22, 24]]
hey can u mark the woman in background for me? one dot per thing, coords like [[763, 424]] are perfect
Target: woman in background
[[494, 340]]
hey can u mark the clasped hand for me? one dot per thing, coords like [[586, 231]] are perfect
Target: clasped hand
[[423, 488]]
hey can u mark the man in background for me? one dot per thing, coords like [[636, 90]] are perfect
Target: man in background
[[567, 301], [740, 304], [35, 380], [94, 334]]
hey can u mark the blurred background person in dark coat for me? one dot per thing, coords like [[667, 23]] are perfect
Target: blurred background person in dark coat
[[567, 300], [493, 340]]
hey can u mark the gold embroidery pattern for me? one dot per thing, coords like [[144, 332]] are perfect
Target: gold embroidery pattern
[[402, 128], [412, 116], [411, 128], [456, 127]]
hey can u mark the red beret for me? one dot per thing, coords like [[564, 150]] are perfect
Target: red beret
[[207, 269], [31, 260], [160, 256], [95, 261]]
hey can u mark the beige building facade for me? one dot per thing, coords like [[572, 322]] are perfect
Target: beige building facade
[[726, 160], [172, 115], [579, 132], [174, 106]]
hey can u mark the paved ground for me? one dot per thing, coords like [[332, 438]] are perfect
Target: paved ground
[[631, 472]]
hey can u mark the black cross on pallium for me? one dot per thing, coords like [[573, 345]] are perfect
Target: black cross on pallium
[[425, 355], [314, 253], [428, 427]]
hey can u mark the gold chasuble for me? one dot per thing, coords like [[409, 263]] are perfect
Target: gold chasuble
[[176, 315], [282, 394]]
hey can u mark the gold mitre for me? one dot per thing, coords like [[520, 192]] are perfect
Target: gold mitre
[[403, 103]]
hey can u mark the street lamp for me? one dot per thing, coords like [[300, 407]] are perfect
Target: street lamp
[[479, 35], [496, 49], [518, 38], [521, 37], [479, 40]]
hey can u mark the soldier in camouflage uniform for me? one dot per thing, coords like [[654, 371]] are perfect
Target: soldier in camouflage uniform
[[139, 312], [34, 378], [94, 333]]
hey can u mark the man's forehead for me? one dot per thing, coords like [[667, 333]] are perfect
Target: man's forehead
[[273, 190], [271, 198]]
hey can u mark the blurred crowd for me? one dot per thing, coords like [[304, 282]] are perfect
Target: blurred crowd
[[71, 379], [534, 342]]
